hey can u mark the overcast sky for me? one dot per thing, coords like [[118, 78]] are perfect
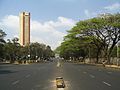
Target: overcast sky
[[50, 19]]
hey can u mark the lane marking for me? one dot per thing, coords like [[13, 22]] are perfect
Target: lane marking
[[58, 64], [14, 83], [107, 83], [109, 72], [92, 76], [60, 88], [28, 76], [84, 72]]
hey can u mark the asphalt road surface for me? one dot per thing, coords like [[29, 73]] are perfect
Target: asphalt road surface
[[42, 76]]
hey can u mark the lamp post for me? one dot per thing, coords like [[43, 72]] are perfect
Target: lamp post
[[118, 54], [29, 57]]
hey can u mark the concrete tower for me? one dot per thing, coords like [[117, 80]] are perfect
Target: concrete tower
[[24, 28]]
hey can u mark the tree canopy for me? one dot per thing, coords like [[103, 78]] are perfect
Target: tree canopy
[[99, 34]]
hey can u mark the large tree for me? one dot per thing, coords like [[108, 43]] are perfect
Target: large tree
[[105, 31], [101, 34], [2, 42]]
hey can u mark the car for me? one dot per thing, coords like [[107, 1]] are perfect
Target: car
[[60, 82]]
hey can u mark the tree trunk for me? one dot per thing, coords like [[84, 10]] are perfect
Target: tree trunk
[[109, 53], [97, 56]]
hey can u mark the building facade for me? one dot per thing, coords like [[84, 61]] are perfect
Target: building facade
[[24, 28]]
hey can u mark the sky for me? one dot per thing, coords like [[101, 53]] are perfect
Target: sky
[[50, 19]]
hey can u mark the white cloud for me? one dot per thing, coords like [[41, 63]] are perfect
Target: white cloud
[[10, 24], [11, 21], [114, 6], [49, 32]]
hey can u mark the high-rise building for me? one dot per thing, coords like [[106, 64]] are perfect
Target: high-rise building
[[24, 28]]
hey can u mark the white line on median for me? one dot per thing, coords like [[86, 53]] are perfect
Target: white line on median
[[107, 83], [15, 82]]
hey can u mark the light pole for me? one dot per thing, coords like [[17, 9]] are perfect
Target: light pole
[[118, 52], [29, 57], [89, 54]]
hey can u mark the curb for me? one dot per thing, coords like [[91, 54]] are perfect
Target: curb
[[107, 66]]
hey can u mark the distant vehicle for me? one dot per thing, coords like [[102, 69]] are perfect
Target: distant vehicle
[[60, 82]]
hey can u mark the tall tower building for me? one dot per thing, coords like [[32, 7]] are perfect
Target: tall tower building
[[24, 28]]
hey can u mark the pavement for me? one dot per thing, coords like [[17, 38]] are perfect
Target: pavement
[[41, 76], [107, 66]]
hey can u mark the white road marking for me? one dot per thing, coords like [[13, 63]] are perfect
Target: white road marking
[[92, 76], [84, 72], [60, 88], [109, 72], [28, 76], [15, 82], [107, 83], [58, 64]]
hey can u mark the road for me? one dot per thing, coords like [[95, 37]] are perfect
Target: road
[[42, 77]]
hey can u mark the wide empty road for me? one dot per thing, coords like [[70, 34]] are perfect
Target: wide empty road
[[42, 77]]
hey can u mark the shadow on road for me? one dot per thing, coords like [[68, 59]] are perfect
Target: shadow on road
[[84, 64], [7, 71]]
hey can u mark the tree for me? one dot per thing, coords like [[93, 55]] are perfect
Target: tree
[[106, 30], [101, 34], [2, 35], [12, 49], [38, 50], [2, 42]]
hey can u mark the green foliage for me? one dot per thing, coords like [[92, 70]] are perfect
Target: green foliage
[[2, 42], [100, 34], [13, 51]]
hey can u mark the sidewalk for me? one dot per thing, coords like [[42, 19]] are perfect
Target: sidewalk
[[101, 65], [108, 66], [4, 62], [113, 66]]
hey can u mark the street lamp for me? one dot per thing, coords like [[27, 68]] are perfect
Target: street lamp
[[29, 57]]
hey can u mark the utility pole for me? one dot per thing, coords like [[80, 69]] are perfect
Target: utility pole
[[118, 53], [89, 54]]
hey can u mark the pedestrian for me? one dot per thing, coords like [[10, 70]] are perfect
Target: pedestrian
[[103, 63]]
